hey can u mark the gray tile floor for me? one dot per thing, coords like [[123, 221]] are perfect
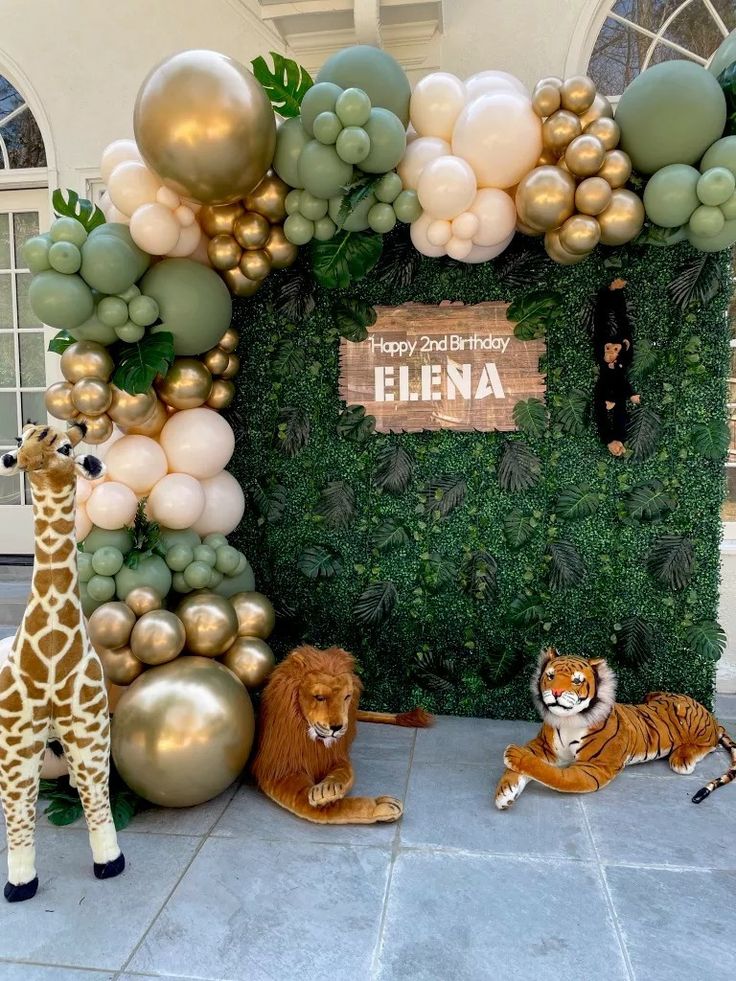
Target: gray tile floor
[[633, 882]]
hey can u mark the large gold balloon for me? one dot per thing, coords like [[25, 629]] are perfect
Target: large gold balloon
[[251, 230], [216, 360], [545, 197], [282, 252], [210, 622], [527, 229], [223, 251], [592, 196], [126, 409], [557, 252], [121, 667], [580, 234], [58, 401], [158, 637], [151, 425], [607, 130], [232, 367], [623, 219], [584, 156], [601, 107], [255, 264], [186, 385], [183, 732], [559, 129], [143, 599], [99, 428], [205, 126], [219, 220], [238, 284], [86, 359], [251, 660], [545, 99], [110, 625], [616, 168], [229, 340], [255, 613], [577, 93], [222, 394], [91, 396], [269, 199]]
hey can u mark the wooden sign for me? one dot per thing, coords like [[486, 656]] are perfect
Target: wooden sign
[[441, 367]]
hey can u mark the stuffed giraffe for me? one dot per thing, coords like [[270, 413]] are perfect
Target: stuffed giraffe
[[52, 684]]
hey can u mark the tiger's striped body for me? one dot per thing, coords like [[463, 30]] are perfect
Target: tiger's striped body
[[587, 738]]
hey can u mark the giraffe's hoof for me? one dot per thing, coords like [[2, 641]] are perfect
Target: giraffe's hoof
[[18, 894], [108, 870]]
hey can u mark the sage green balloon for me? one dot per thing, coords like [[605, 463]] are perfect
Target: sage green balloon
[[107, 561], [374, 71], [112, 311], [716, 186], [292, 202], [357, 220], [729, 208], [84, 567], [66, 229], [671, 113], [89, 605], [129, 332], [327, 128], [178, 557], [321, 171], [324, 229], [670, 196], [320, 98], [35, 253], [705, 222], [243, 582], [194, 303], [111, 261], [93, 329], [61, 301], [407, 207], [381, 218], [101, 588], [130, 294], [291, 138], [298, 229], [143, 310], [388, 188], [311, 207], [151, 571], [388, 141], [179, 536], [353, 107], [715, 243], [724, 56], [721, 154], [65, 257], [353, 145], [119, 538]]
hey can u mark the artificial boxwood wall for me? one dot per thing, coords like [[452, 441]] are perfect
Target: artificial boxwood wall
[[445, 560]]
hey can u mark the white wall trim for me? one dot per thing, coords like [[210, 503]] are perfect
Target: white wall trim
[[15, 74], [248, 10], [585, 35]]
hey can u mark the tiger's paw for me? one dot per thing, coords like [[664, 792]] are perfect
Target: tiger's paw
[[508, 790], [515, 758]]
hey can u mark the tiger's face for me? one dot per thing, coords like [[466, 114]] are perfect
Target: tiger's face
[[324, 700], [567, 685]]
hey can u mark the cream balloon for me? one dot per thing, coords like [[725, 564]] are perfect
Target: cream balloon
[[167, 197], [154, 229], [446, 187], [113, 214], [117, 152], [131, 185], [459, 248], [82, 523], [176, 501], [198, 442], [136, 461], [465, 225], [112, 505], [418, 232], [491, 82], [189, 238], [439, 232], [496, 216], [418, 154], [482, 253], [84, 489], [183, 214], [501, 138], [224, 505], [436, 102]]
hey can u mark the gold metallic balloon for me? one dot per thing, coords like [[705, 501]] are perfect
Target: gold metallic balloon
[[183, 732], [607, 130], [151, 425], [110, 625], [545, 197], [86, 359], [251, 660], [527, 229], [120, 666], [584, 156], [143, 599], [554, 80], [186, 385], [126, 409], [545, 99], [255, 613], [556, 252], [592, 196], [232, 367], [282, 252], [205, 126], [601, 107], [58, 401], [223, 252], [210, 622], [580, 234], [238, 284], [251, 230], [269, 199], [99, 428], [616, 168], [547, 158], [623, 219], [222, 394], [216, 360], [562, 164], [158, 637], [229, 340], [255, 264], [219, 220], [577, 93], [91, 396], [559, 129]]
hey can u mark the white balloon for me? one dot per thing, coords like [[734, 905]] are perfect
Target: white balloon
[[482, 253], [439, 232], [136, 461], [465, 225], [436, 103], [446, 187], [459, 248], [224, 505], [184, 215], [131, 185], [176, 501], [418, 233], [188, 240], [198, 442], [418, 153], [501, 138], [496, 214], [115, 153], [82, 523], [154, 229], [113, 214], [112, 505], [170, 199], [485, 83]]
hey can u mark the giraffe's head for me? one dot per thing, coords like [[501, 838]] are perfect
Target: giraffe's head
[[43, 450]]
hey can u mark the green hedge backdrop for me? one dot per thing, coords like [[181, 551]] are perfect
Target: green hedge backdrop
[[445, 560]]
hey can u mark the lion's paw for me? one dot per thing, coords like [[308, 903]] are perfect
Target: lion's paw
[[325, 793], [388, 809]]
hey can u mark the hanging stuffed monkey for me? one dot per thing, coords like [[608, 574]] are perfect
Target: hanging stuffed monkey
[[613, 345]]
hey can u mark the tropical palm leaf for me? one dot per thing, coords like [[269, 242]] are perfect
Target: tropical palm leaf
[[643, 432], [577, 501], [518, 529], [435, 672], [518, 468], [294, 297], [499, 670], [478, 574], [707, 638], [567, 568], [390, 533], [671, 560], [443, 494], [400, 261], [393, 469], [292, 431], [337, 504], [646, 359], [530, 416], [698, 281], [634, 640], [376, 603], [354, 425]]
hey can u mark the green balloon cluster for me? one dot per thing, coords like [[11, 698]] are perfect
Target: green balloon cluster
[[194, 304], [201, 563], [374, 71]]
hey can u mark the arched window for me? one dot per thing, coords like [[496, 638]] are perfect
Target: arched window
[[21, 143]]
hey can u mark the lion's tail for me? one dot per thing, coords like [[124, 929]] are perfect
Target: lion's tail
[[418, 718]]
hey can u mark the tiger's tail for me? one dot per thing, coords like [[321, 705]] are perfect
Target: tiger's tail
[[723, 740], [416, 719]]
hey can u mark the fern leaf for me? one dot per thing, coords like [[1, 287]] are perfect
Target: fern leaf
[[443, 494], [337, 504], [643, 432], [518, 468], [567, 568], [393, 469], [671, 560]]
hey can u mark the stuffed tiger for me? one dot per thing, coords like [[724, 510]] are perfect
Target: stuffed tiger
[[587, 738]]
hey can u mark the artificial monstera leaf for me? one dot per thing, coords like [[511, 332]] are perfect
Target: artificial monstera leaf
[[706, 638], [289, 360], [270, 502], [354, 425], [518, 528], [530, 416], [526, 609], [344, 259], [533, 312], [389, 534], [60, 342], [139, 363], [353, 318], [710, 439], [285, 85], [577, 501], [87, 214], [649, 501], [318, 562], [569, 411]]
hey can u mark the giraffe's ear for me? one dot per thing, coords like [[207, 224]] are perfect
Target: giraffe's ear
[[9, 463], [89, 466], [76, 432]]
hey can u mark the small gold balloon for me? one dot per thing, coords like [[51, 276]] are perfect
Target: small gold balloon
[[219, 219], [577, 93], [110, 625], [559, 129], [216, 360], [91, 396], [251, 230], [556, 252], [562, 164], [623, 219], [545, 197], [121, 667], [158, 637], [229, 340], [58, 401], [255, 613], [186, 385], [126, 409], [545, 99], [580, 234], [601, 107], [607, 130], [99, 428], [547, 158], [269, 199], [240, 285], [251, 660], [584, 156], [553, 80], [232, 367], [151, 425], [283, 253], [616, 168], [222, 394], [592, 196], [255, 264], [223, 252], [527, 229], [143, 599], [210, 622], [86, 359]]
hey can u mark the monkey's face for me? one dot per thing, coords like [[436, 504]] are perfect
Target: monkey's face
[[611, 352]]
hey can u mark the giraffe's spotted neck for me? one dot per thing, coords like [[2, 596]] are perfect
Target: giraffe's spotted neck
[[55, 561]]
